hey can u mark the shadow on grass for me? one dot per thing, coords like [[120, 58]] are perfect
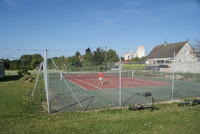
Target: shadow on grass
[[92, 97], [11, 78]]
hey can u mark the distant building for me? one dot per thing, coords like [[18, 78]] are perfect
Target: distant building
[[129, 55], [2, 71], [140, 52], [166, 53], [174, 57]]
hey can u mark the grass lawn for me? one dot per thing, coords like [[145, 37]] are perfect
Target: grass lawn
[[21, 113]]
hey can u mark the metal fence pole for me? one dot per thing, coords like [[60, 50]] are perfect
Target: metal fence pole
[[120, 81], [32, 94], [46, 80], [172, 95]]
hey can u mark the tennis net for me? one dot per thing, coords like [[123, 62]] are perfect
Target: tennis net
[[88, 75]]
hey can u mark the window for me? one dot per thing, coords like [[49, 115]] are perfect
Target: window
[[186, 52]]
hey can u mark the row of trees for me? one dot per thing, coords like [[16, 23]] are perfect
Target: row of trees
[[27, 62], [89, 59], [97, 57]]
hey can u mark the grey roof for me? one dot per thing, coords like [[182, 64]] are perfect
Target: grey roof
[[166, 50]]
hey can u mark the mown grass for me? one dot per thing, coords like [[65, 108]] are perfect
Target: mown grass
[[21, 113]]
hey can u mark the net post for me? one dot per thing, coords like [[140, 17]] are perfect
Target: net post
[[172, 94], [131, 73], [46, 79], [120, 82]]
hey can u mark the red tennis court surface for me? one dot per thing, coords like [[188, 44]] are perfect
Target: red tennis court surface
[[113, 82]]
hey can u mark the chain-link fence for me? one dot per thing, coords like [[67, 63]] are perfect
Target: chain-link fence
[[75, 88]]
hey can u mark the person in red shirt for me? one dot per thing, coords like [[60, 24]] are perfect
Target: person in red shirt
[[100, 78]]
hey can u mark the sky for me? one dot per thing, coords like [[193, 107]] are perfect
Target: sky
[[66, 26]]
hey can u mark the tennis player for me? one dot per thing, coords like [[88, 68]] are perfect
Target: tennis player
[[100, 78]]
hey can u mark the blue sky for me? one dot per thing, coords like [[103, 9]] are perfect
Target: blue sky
[[29, 26]]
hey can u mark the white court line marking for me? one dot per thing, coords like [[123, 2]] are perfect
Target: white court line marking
[[88, 83]]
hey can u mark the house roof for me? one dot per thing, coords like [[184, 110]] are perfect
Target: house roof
[[166, 50]]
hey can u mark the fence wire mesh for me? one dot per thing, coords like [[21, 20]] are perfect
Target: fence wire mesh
[[74, 88]]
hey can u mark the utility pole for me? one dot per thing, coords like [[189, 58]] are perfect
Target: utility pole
[[106, 59]]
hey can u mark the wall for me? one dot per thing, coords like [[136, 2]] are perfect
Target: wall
[[184, 56], [186, 67], [2, 71]]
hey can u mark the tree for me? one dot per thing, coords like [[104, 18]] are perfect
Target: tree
[[35, 63], [88, 57], [138, 60], [37, 57], [88, 50], [26, 61], [99, 56], [196, 48], [78, 54], [74, 61], [14, 64], [6, 63], [112, 55]]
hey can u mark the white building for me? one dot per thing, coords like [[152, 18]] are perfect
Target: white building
[[174, 57], [129, 55], [166, 53], [140, 52]]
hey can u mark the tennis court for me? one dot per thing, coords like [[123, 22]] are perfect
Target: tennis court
[[111, 81], [91, 95]]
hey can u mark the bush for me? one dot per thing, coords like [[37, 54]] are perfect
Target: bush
[[133, 66], [24, 71], [28, 73], [19, 73]]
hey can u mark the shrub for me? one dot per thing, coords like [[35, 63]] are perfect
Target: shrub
[[28, 73], [24, 71], [19, 72], [133, 66]]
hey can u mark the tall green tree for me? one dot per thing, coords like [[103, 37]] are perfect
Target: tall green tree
[[99, 56], [88, 50], [112, 56], [37, 57], [74, 61], [30, 61], [77, 54], [14, 64], [35, 63], [88, 57], [6, 63]]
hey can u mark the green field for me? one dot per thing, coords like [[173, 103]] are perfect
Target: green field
[[21, 113]]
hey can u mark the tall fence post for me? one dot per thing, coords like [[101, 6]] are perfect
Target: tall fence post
[[120, 81], [172, 94], [46, 80]]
